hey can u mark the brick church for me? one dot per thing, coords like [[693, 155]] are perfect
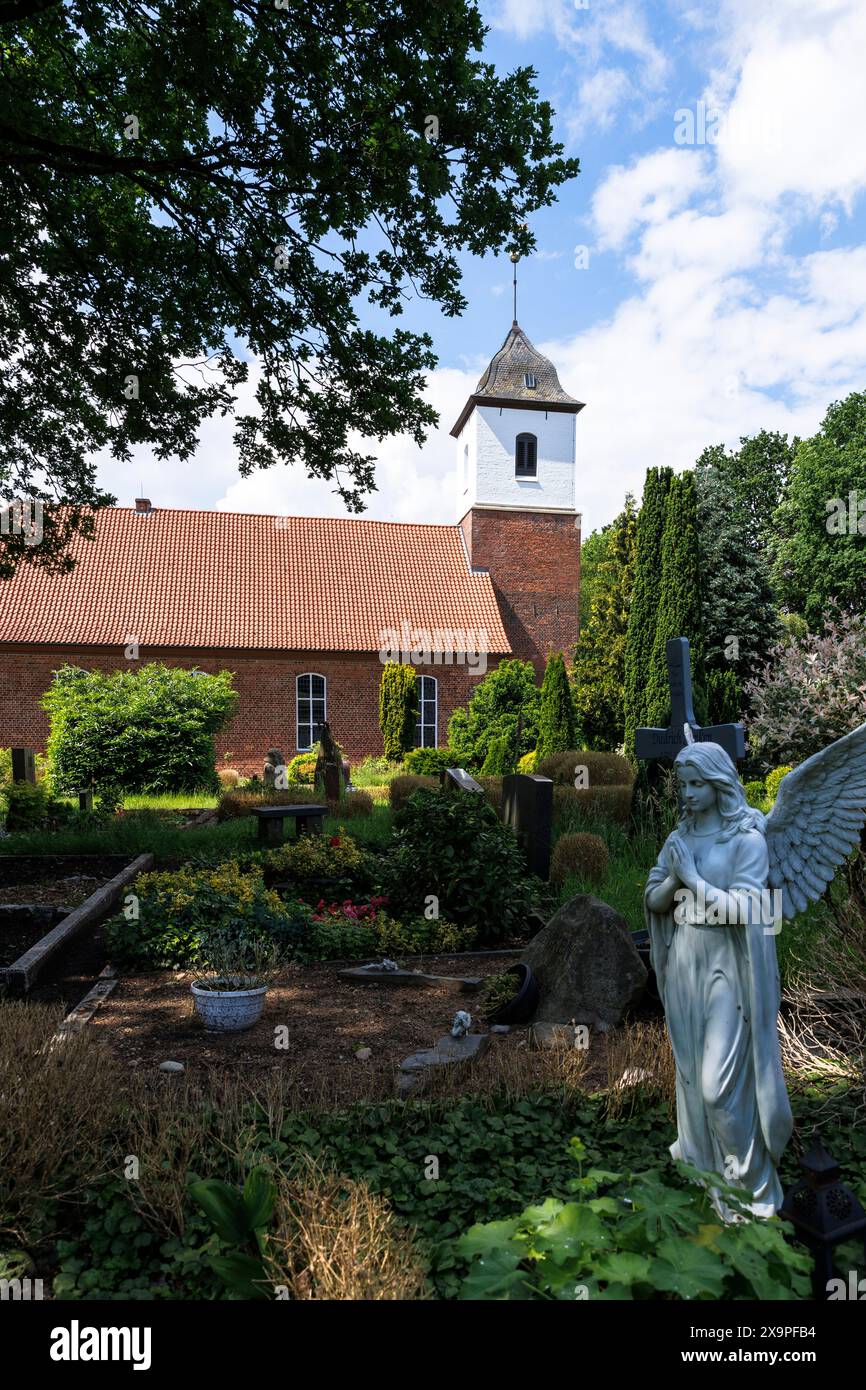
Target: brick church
[[305, 610]]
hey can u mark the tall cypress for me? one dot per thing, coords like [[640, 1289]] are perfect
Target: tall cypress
[[645, 598], [556, 724], [679, 608], [599, 656]]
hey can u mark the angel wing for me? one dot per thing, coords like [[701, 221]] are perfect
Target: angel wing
[[816, 822]]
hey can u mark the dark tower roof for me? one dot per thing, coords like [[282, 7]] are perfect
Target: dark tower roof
[[519, 375]]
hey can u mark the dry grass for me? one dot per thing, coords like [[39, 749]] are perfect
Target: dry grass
[[335, 1240], [58, 1104], [640, 1063], [822, 1024]]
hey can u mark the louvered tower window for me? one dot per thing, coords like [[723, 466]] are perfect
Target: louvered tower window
[[525, 456]]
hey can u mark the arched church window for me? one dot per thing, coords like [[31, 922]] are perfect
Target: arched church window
[[525, 456], [426, 724], [311, 707]]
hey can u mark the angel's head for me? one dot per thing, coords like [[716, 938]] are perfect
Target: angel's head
[[705, 774]]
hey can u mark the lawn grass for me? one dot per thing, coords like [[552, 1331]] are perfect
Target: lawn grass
[[171, 801], [142, 832]]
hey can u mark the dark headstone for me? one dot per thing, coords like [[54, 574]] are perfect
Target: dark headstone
[[23, 765], [85, 801], [527, 807], [453, 779], [586, 965], [332, 779]]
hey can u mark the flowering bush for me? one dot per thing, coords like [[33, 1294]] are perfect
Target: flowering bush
[[812, 692], [315, 856], [356, 912], [177, 912]]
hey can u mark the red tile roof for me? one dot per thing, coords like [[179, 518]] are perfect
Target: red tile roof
[[176, 578]]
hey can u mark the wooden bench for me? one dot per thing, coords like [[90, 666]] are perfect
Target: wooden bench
[[308, 820]]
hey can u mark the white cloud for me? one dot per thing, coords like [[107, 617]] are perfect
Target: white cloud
[[648, 191], [592, 33]]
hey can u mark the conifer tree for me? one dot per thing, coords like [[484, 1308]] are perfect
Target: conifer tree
[[556, 725], [679, 608], [599, 656], [643, 612], [740, 620], [398, 709]]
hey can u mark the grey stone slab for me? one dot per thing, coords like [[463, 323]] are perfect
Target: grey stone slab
[[374, 975]]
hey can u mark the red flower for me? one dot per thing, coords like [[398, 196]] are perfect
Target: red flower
[[334, 840]]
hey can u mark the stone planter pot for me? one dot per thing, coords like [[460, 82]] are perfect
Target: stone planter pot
[[229, 1010], [521, 1008], [641, 941]]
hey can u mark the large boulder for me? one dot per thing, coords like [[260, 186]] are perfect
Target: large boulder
[[586, 965]]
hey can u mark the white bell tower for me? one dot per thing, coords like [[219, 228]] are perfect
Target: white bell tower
[[516, 435]]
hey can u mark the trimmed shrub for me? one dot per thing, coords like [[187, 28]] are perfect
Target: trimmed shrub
[[401, 788], [528, 763], [302, 769], [492, 790], [609, 803], [579, 855], [148, 730], [398, 709], [243, 800], [603, 769], [429, 762]]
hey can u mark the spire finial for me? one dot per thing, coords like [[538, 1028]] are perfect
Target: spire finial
[[515, 257]]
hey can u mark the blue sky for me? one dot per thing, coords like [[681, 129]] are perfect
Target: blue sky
[[725, 289]]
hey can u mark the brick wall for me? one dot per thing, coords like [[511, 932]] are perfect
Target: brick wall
[[266, 686], [534, 563]]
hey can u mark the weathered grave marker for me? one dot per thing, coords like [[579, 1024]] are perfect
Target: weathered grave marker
[[24, 765], [653, 744], [527, 807], [85, 801], [455, 779]]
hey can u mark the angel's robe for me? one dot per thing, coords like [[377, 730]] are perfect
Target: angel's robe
[[720, 989]]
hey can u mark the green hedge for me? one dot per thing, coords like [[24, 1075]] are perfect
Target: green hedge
[[429, 762], [147, 730]]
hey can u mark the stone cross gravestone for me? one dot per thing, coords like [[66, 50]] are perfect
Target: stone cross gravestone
[[527, 807], [24, 765], [651, 744]]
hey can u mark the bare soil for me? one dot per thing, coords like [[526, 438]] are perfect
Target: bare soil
[[150, 1018]]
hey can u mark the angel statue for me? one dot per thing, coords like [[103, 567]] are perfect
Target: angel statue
[[714, 903]]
